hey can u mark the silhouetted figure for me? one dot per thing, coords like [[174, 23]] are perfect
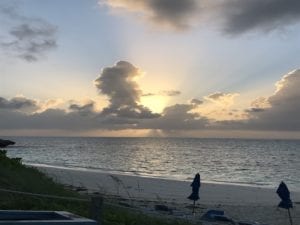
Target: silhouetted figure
[[286, 201], [195, 190]]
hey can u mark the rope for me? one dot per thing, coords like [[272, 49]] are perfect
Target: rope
[[44, 195], [69, 198]]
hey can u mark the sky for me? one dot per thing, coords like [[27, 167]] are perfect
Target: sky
[[193, 68]]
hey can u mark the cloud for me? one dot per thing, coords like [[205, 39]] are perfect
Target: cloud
[[88, 108], [196, 101], [49, 119], [259, 105], [177, 117], [31, 41], [50, 104], [119, 85], [241, 16], [222, 99], [260, 102], [18, 103], [175, 14], [27, 38], [231, 16], [278, 112], [281, 112], [149, 94], [169, 93], [24, 113], [284, 106]]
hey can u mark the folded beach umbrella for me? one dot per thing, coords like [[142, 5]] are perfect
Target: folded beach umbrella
[[286, 202], [195, 190], [284, 194]]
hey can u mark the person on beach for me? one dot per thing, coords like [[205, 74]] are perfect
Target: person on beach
[[195, 189]]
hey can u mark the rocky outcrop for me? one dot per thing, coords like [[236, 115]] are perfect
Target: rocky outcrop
[[5, 143]]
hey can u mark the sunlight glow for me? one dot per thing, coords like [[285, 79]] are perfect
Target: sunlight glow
[[155, 103]]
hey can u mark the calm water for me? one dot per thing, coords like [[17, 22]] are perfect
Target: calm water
[[250, 162]]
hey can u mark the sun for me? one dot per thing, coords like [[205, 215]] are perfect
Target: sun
[[154, 103]]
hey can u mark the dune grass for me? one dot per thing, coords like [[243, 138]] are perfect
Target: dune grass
[[16, 176]]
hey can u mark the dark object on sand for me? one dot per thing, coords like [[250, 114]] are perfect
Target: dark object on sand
[[219, 215], [5, 143], [162, 208], [286, 202], [216, 215], [195, 190], [213, 215]]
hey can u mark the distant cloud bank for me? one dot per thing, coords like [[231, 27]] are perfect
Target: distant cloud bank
[[278, 112]]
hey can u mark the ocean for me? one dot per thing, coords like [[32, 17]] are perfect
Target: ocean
[[263, 163]]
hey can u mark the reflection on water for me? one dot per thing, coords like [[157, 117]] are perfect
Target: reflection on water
[[258, 162]]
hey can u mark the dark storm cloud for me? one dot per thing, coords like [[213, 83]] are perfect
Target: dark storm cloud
[[172, 13], [241, 16], [175, 12], [119, 85], [231, 16], [18, 103], [27, 38]]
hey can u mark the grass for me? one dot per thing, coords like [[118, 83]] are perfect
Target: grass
[[16, 176]]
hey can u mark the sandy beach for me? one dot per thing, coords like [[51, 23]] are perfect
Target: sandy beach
[[241, 203]]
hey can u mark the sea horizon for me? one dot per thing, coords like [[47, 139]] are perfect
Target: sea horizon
[[162, 137]]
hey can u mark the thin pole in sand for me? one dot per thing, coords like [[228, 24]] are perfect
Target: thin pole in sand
[[194, 207], [291, 221]]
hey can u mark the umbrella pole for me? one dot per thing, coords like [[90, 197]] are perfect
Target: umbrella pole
[[194, 207], [291, 221]]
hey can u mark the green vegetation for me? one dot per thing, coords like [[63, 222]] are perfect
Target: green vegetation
[[15, 176]]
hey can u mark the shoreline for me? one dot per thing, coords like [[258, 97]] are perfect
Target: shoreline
[[94, 180], [124, 173]]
